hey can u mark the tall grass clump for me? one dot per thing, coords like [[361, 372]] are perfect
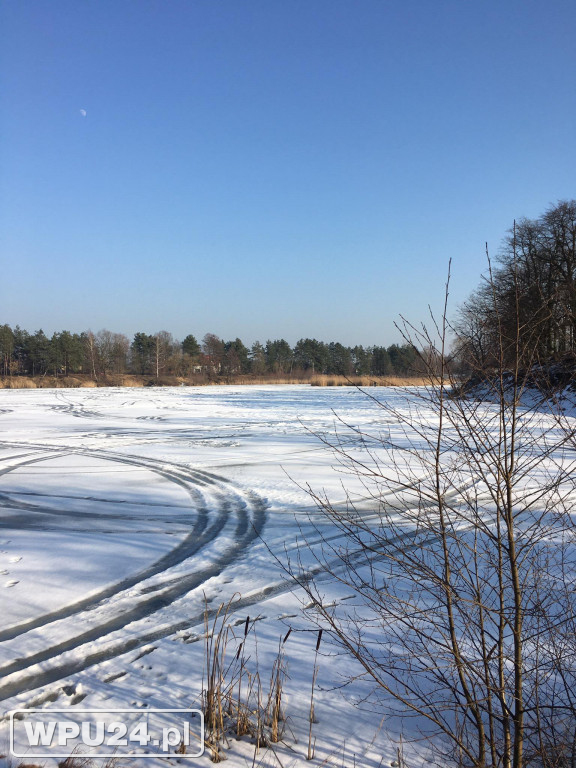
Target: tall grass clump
[[334, 380], [236, 704], [17, 382]]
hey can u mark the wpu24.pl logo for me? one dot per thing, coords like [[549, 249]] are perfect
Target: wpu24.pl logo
[[137, 733]]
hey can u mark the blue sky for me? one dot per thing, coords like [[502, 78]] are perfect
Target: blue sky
[[272, 168]]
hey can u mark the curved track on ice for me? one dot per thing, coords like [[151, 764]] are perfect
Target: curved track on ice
[[215, 504]]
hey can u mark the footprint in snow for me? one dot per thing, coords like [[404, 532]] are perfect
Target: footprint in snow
[[114, 676], [4, 573], [11, 583], [15, 559]]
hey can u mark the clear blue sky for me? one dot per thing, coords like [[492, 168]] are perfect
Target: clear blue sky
[[271, 168]]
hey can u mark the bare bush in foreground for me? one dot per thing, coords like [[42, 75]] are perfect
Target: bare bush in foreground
[[459, 542]]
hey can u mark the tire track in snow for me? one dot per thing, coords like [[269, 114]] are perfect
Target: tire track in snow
[[142, 609], [199, 537], [56, 669], [98, 644]]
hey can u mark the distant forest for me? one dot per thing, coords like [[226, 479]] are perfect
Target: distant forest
[[523, 313], [106, 353]]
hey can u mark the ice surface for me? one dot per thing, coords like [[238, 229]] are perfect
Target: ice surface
[[125, 512]]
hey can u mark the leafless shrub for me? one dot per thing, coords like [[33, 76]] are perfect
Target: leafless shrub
[[461, 546]]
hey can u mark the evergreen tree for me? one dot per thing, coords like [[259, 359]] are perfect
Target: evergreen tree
[[21, 350], [361, 361], [66, 353], [403, 359], [142, 353], [39, 353], [380, 363], [6, 349], [236, 357], [190, 346], [279, 358], [339, 359], [311, 355], [257, 358]]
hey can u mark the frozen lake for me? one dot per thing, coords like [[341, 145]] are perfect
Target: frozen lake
[[127, 515], [124, 510]]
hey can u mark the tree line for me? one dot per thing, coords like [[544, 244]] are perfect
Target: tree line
[[107, 353], [524, 311]]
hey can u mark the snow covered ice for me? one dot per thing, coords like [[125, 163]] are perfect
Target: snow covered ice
[[126, 514], [124, 510]]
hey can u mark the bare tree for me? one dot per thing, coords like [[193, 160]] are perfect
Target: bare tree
[[92, 353], [533, 290], [213, 349], [163, 348], [460, 547]]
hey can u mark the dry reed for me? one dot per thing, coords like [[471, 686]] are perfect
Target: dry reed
[[324, 380], [234, 700], [202, 380], [17, 382], [312, 715]]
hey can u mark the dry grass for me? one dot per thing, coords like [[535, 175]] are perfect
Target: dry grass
[[275, 718], [29, 765], [46, 382], [323, 380], [78, 760], [121, 380], [234, 700], [76, 381], [201, 380], [312, 714], [17, 382], [271, 379], [218, 681]]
